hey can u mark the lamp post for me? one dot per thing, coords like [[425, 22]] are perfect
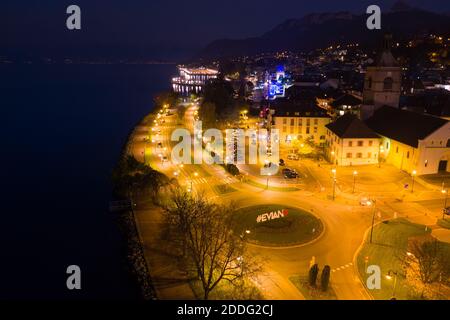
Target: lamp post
[[333, 171], [243, 234], [392, 274], [379, 156], [355, 173], [267, 184], [195, 174], [445, 192], [413, 174], [372, 203]]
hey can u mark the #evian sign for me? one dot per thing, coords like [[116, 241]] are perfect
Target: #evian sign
[[272, 215]]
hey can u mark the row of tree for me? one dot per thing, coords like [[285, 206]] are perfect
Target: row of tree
[[219, 104], [131, 177]]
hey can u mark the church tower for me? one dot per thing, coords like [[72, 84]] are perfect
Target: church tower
[[382, 82]]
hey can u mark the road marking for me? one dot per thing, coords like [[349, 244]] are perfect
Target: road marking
[[342, 267]]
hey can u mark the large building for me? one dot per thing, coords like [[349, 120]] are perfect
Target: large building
[[382, 82], [297, 121], [413, 141], [192, 80], [350, 142]]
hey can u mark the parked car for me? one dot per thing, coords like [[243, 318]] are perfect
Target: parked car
[[268, 165], [289, 173], [364, 201], [293, 156]]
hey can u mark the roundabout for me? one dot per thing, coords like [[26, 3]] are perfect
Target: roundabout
[[277, 225]]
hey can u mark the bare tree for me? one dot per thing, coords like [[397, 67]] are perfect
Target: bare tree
[[207, 240], [428, 257]]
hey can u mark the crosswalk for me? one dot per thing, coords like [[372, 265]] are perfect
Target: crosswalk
[[343, 267], [198, 181], [228, 179], [203, 180]]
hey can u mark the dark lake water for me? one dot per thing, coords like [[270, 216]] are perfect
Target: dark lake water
[[62, 129]]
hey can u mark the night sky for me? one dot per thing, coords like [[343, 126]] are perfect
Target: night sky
[[145, 26]]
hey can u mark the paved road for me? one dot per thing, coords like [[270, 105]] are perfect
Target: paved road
[[344, 219]]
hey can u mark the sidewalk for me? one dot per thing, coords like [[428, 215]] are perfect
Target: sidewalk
[[169, 281]]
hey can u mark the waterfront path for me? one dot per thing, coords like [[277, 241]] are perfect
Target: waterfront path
[[345, 220]]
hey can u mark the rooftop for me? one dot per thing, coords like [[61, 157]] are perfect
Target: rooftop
[[404, 126], [200, 70], [346, 100], [385, 58], [350, 126], [296, 108]]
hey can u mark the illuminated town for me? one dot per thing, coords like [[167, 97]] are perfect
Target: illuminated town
[[358, 198], [217, 159]]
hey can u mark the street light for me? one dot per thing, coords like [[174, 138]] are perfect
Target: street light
[[355, 173], [243, 234], [413, 174], [445, 192], [195, 174], [392, 274], [333, 171], [379, 156], [369, 203]]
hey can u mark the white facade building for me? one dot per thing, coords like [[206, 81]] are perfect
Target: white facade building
[[350, 142], [413, 141]]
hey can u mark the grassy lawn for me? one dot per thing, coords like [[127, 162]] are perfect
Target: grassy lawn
[[223, 189], [263, 186], [444, 223], [390, 242], [310, 293], [296, 227]]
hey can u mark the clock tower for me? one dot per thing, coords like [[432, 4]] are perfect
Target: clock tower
[[382, 82]]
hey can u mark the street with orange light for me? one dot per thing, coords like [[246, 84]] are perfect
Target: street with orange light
[[348, 201]]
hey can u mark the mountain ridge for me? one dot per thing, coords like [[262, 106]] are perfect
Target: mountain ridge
[[319, 30]]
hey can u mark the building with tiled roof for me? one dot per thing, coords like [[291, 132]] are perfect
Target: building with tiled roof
[[299, 121], [411, 141], [350, 141]]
